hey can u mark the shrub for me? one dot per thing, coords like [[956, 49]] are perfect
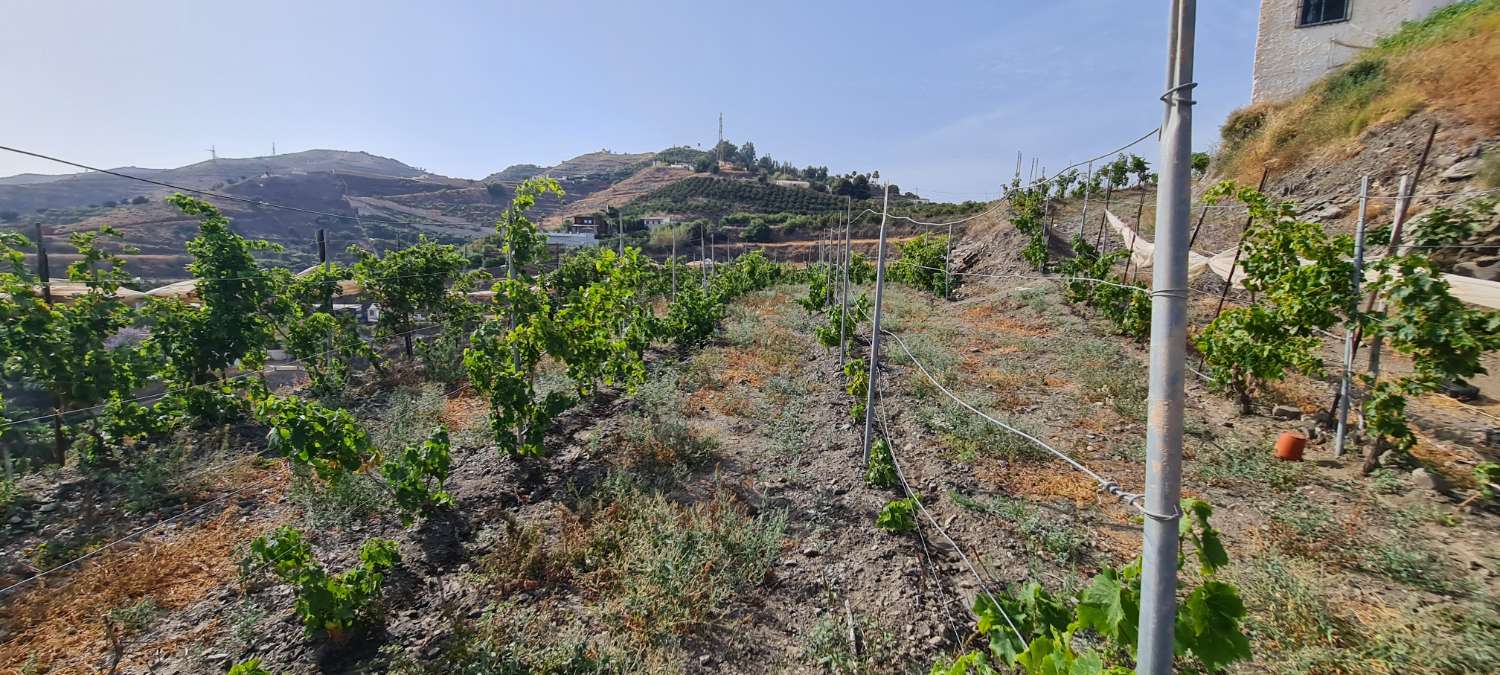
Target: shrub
[[757, 231]]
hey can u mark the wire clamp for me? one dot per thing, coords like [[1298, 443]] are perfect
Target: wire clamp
[[1179, 293], [1187, 86]]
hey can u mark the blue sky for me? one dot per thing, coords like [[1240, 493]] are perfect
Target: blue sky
[[936, 96]]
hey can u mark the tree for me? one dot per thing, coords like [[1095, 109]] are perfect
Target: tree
[[409, 282], [757, 231], [726, 151], [1200, 163], [746, 156]]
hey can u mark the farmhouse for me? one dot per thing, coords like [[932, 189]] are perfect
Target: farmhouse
[[1300, 41], [653, 222]]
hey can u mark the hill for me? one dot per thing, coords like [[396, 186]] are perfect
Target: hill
[[83, 189]]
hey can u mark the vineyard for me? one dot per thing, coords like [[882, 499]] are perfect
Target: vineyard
[[719, 196]]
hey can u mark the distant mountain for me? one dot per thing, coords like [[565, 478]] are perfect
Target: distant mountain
[[28, 192], [515, 172], [603, 164]]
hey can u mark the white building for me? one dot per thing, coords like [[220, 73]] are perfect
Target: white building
[[653, 222], [1300, 41]]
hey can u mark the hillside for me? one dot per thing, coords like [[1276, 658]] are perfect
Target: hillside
[[714, 196], [1443, 68], [643, 182], [82, 189]]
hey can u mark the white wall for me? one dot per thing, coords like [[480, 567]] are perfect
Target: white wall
[[1288, 58]]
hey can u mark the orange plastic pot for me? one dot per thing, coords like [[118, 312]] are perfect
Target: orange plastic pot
[[1289, 446]]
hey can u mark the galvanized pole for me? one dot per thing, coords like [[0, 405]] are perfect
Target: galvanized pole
[[674, 263], [1359, 262], [1165, 399], [1088, 177], [948, 266], [874, 378], [844, 301]]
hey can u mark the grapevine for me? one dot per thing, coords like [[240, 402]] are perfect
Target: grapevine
[[332, 604]]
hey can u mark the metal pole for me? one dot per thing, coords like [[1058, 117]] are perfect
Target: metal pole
[[1087, 190], [948, 266], [1359, 262], [703, 252], [844, 301], [674, 263], [875, 328], [44, 274], [1165, 399]]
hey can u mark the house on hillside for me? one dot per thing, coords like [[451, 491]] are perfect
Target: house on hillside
[[584, 225], [793, 183], [653, 222], [1300, 41]]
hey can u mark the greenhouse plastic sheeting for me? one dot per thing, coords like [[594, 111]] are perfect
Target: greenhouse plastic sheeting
[[1468, 289]]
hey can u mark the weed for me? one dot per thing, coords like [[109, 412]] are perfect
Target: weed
[[149, 483], [665, 570], [1300, 626], [518, 559], [1065, 542], [411, 413], [826, 646], [338, 504], [49, 554], [1388, 482], [1229, 462], [515, 639], [1105, 373], [246, 624], [1412, 564], [1305, 527], [971, 436], [137, 617], [662, 445]]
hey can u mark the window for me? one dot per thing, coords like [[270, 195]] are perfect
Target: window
[[1314, 12]]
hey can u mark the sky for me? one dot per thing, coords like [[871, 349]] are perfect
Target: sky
[[939, 96]]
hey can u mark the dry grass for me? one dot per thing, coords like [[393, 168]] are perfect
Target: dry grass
[[463, 412], [1453, 69], [1038, 480], [59, 625]]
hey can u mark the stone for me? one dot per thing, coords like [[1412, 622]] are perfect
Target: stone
[[1423, 479], [1487, 269], [1461, 170], [1286, 412], [47, 508], [1328, 212]]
